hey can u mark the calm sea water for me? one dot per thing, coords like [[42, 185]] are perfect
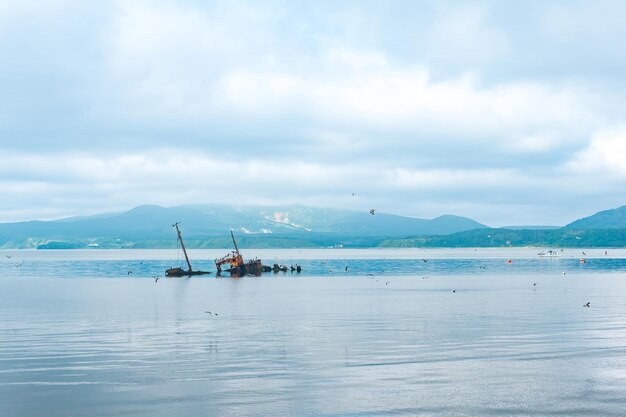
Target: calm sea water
[[465, 333]]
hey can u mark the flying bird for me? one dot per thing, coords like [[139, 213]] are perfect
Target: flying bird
[[155, 278], [129, 272], [587, 305], [372, 211]]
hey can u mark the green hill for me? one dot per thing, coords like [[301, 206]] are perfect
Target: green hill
[[607, 219], [150, 226], [208, 226], [506, 237]]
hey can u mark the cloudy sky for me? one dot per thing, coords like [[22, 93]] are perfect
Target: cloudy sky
[[505, 112]]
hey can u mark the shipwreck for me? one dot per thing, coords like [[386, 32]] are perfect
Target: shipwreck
[[236, 264], [178, 271]]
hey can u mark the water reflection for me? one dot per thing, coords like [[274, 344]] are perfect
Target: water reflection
[[323, 267], [393, 343]]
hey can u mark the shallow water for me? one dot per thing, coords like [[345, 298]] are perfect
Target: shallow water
[[74, 342], [359, 262]]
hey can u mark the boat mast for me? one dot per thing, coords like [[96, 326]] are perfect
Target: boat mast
[[182, 244], [234, 243]]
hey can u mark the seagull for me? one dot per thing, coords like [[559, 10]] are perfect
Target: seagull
[[425, 260], [587, 305], [9, 256], [372, 211], [155, 278], [129, 272], [483, 267], [19, 265]]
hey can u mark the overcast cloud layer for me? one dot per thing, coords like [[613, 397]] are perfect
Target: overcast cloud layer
[[506, 113]]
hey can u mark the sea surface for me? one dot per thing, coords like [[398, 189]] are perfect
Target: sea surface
[[373, 332]]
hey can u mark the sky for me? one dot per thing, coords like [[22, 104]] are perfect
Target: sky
[[511, 113]]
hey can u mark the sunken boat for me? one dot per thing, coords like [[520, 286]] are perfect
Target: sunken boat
[[178, 271], [237, 267]]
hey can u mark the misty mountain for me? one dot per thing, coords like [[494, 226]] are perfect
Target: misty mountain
[[489, 238], [606, 219], [604, 229], [151, 226], [208, 226], [530, 227]]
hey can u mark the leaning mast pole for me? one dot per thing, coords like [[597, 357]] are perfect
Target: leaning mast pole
[[180, 238], [234, 243]]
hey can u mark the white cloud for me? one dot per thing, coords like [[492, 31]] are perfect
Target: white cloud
[[462, 34], [64, 184], [605, 154], [441, 106], [200, 66], [438, 179]]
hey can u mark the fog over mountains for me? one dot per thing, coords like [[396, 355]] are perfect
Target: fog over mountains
[[208, 226], [202, 225]]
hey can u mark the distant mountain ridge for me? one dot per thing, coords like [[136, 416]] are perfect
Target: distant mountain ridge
[[606, 228], [606, 219], [208, 226], [150, 226]]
